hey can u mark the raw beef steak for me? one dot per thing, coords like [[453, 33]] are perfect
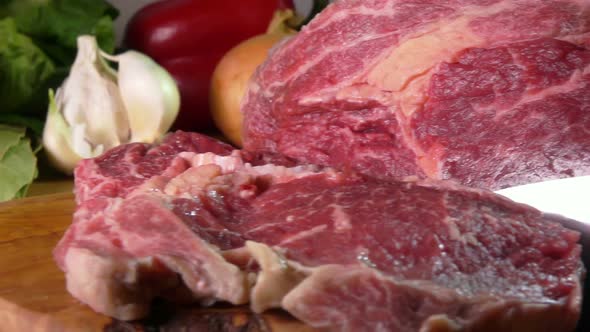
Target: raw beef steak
[[492, 93], [338, 251], [118, 172]]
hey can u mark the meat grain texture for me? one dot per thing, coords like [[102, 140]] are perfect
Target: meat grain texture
[[491, 93], [338, 251]]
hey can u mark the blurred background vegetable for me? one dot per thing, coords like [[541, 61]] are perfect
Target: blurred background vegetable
[[37, 48], [232, 73], [98, 108], [188, 38], [230, 78], [17, 163]]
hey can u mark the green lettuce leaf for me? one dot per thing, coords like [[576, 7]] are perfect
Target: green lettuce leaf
[[18, 163], [37, 47], [22, 120], [54, 25], [24, 68]]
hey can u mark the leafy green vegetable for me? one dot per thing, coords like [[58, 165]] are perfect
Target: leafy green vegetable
[[37, 47], [18, 164], [54, 25], [23, 67], [18, 120]]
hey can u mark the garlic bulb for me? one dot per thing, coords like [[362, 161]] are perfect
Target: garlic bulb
[[98, 108]]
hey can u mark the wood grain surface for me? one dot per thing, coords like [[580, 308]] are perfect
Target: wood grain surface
[[33, 295], [51, 187]]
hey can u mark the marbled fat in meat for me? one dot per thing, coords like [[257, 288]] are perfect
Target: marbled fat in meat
[[491, 94]]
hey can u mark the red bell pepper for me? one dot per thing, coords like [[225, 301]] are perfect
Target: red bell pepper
[[189, 37]]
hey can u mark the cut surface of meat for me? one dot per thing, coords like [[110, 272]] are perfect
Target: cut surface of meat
[[339, 251], [492, 93], [125, 167]]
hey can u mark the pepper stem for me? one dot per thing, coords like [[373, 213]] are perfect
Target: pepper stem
[[318, 6], [282, 22]]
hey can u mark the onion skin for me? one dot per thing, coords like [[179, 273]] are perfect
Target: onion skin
[[230, 81], [233, 72]]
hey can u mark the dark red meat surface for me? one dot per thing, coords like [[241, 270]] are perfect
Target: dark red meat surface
[[118, 172], [492, 94]]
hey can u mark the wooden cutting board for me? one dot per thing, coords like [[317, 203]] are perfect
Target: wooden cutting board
[[33, 295]]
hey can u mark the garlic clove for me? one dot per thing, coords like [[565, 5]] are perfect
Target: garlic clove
[[98, 108], [86, 116], [57, 139], [91, 98], [149, 93]]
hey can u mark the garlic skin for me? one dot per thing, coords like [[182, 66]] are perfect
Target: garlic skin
[[149, 94], [98, 108], [57, 139]]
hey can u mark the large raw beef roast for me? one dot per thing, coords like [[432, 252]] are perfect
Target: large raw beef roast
[[492, 93], [190, 220]]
